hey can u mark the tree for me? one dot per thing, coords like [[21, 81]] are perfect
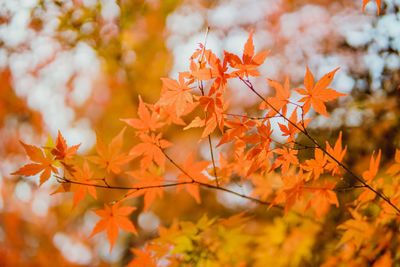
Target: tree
[[304, 200]]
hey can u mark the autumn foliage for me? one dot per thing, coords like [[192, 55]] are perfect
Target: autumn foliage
[[299, 181]]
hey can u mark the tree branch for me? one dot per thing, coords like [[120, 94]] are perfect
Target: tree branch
[[347, 169]]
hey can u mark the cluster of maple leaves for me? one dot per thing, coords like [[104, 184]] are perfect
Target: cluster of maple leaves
[[253, 152]]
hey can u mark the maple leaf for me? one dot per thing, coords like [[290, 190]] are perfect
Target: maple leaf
[[146, 122], [261, 152], [224, 169], [290, 130], [281, 99], [150, 150], [237, 129], [323, 197], [168, 113], [384, 261], [288, 156], [146, 179], [142, 258], [249, 61], [395, 168], [113, 217], [357, 230], [217, 71], [193, 172], [44, 162], [108, 156], [214, 109], [292, 191], [338, 153], [315, 165], [176, 94], [85, 176], [197, 122], [317, 94], [262, 187], [378, 4], [369, 174], [62, 151]]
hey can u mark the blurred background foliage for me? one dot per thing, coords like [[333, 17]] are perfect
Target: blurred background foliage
[[78, 66]]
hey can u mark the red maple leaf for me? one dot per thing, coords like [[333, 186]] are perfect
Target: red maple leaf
[[62, 151]]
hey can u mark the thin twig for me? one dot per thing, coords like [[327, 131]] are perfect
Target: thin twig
[[200, 85]]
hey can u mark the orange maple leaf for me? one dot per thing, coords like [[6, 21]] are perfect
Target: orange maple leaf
[[249, 62], [237, 129], [168, 113], [287, 156], [142, 258], [62, 151], [323, 197], [315, 165], [224, 169], [150, 150], [378, 4], [109, 156], [281, 99], [317, 94], [291, 130], [146, 121], [395, 168], [217, 71], [259, 154], [338, 153], [214, 109], [194, 170], [369, 174], [114, 217], [292, 191], [85, 176], [44, 162], [146, 179], [176, 94], [262, 187]]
